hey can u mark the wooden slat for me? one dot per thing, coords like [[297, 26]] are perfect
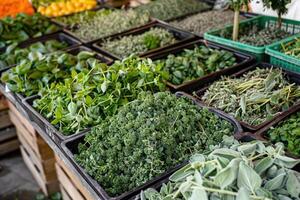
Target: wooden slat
[[75, 180], [7, 134], [9, 146], [4, 119], [64, 193], [64, 180], [47, 188], [21, 118]]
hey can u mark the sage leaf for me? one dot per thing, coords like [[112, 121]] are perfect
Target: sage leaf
[[286, 161], [247, 149], [182, 173], [243, 194], [276, 182], [199, 193], [227, 175], [263, 165], [248, 178], [293, 185]]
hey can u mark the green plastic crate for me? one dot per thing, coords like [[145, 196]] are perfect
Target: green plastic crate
[[282, 60], [291, 26]]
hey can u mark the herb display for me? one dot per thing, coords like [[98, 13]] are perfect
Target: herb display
[[291, 48], [104, 25], [14, 54], [90, 96], [255, 97], [250, 171], [204, 22], [195, 63], [170, 9], [139, 44], [82, 17], [38, 71], [151, 135], [288, 132], [255, 36], [23, 27]]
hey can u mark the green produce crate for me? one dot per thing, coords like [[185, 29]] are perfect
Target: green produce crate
[[263, 22], [282, 60]]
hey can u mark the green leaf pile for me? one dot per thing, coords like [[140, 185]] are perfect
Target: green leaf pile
[[15, 55], [195, 63], [147, 137], [170, 9], [139, 44], [288, 132], [91, 95], [117, 21], [37, 72], [23, 27], [255, 97], [250, 171], [291, 48]]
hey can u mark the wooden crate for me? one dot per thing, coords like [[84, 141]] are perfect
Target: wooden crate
[[4, 119], [70, 185], [3, 103], [8, 141], [36, 153]]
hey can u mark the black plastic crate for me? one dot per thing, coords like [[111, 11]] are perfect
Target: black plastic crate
[[182, 37], [202, 87], [243, 61], [41, 121], [70, 147]]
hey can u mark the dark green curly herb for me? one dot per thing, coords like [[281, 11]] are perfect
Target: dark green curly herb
[[196, 63], [288, 132], [147, 137]]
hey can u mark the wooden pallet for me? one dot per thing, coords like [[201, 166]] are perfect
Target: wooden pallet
[[3, 103], [4, 119], [36, 153], [70, 185]]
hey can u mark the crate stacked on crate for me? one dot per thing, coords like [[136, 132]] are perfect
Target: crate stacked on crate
[[37, 155], [69, 183], [8, 137]]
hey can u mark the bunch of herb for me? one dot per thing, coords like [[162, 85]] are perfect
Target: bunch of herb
[[255, 36], [90, 96], [139, 44], [288, 132], [250, 171], [23, 27], [194, 63], [255, 97], [170, 9], [151, 135], [291, 48], [203, 22], [14, 54], [38, 71], [105, 25], [76, 19]]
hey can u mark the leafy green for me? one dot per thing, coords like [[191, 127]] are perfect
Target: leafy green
[[147, 137], [23, 27], [194, 63], [288, 132], [255, 97], [103, 25], [216, 176], [38, 71], [169, 9], [291, 48], [15, 55], [138, 44], [90, 96]]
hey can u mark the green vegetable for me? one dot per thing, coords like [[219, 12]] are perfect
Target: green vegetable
[[204, 22], [14, 54], [103, 25], [169, 9], [146, 138], [195, 63], [288, 132], [92, 95], [38, 71], [255, 97], [139, 44], [291, 48], [23, 27], [250, 171]]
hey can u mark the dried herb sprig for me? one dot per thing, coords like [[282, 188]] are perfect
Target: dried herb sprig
[[255, 97]]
